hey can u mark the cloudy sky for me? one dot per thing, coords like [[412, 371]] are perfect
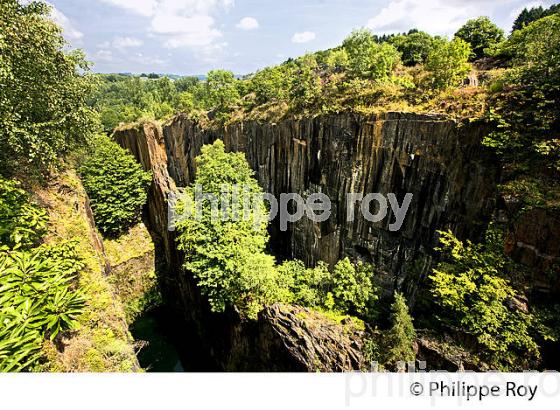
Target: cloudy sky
[[194, 36]]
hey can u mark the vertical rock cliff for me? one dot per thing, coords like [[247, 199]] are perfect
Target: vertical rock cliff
[[442, 163], [284, 338], [451, 176]]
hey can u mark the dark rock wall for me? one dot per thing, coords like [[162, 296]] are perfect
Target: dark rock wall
[[453, 180], [452, 177]]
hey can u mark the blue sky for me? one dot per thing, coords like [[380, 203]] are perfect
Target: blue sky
[[194, 36]]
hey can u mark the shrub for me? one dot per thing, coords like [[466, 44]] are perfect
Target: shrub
[[116, 185], [447, 63], [352, 288], [470, 288], [37, 301], [307, 286], [22, 224], [348, 289]]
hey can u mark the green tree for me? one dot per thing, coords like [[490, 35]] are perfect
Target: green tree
[[526, 107], [481, 34], [227, 255], [269, 84], [369, 59], [414, 47], [43, 89], [527, 16], [187, 84], [307, 286], [306, 84], [221, 93], [348, 289], [117, 186], [185, 101], [447, 63], [338, 59], [399, 339], [470, 288], [352, 288]]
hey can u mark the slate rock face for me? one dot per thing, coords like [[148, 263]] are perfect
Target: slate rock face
[[451, 176]]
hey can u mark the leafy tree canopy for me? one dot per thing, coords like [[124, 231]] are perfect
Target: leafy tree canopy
[[471, 288], [481, 34], [414, 47], [447, 63], [43, 89], [527, 16], [368, 58], [117, 186]]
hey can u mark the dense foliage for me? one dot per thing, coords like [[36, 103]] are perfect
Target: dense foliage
[[527, 16], [43, 90], [38, 296], [525, 106], [365, 70], [472, 288], [124, 99], [447, 63], [227, 255], [22, 224], [117, 186], [43, 115], [349, 288], [369, 59], [481, 34], [414, 46]]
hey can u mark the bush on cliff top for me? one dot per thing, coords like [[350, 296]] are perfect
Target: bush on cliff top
[[117, 187]]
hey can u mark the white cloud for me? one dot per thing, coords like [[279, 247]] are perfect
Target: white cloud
[[103, 55], [433, 16], [179, 31], [70, 32], [126, 42], [142, 7], [248, 23], [121, 43], [304, 37], [179, 23]]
